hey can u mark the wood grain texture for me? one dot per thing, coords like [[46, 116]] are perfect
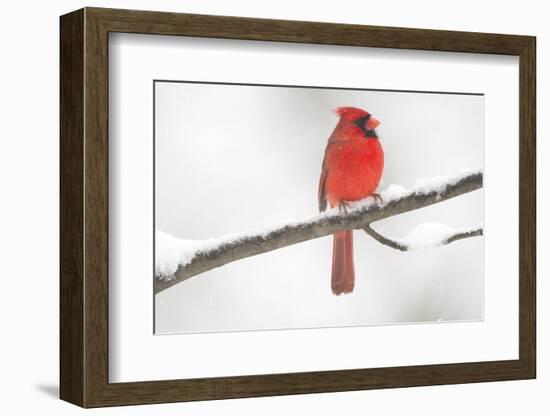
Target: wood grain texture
[[527, 208], [84, 206], [71, 186], [162, 23], [96, 218]]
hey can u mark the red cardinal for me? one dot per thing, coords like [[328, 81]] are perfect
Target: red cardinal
[[352, 168]]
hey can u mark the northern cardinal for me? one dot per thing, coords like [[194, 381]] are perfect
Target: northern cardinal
[[352, 168]]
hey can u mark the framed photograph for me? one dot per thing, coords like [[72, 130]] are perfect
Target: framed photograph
[[255, 207]]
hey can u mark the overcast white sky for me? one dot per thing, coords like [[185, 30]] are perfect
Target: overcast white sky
[[235, 158]]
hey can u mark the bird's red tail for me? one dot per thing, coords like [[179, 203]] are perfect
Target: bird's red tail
[[343, 271]]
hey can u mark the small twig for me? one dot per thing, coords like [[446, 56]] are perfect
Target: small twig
[[465, 234], [404, 247], [384, 240]]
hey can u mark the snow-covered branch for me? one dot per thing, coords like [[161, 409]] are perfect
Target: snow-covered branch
[[426, 235], [178, 260]]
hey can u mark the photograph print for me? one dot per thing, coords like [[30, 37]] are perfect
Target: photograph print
[[295, 207]]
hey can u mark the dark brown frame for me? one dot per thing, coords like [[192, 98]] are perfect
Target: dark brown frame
[[84, 211]]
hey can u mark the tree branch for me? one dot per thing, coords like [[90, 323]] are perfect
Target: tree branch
[[360, 215], [384, 240], [403, 246]]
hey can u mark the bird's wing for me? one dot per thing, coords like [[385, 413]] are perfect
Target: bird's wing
[[321, 194]]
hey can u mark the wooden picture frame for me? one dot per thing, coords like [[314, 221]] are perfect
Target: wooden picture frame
[[84, 215]]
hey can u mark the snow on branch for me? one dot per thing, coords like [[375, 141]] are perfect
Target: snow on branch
[[424, 236], [178, 260]]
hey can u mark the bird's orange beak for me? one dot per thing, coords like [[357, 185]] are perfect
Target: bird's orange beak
[[372, 123]]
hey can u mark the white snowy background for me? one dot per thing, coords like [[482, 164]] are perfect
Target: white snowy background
[[239, 158]]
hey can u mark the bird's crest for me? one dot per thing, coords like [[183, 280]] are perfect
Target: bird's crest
[[351, 113]]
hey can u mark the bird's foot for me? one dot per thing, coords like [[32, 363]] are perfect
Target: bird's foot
[[344, 207], [377, 198]]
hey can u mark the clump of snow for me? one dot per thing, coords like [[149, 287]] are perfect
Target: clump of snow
[[429, 235], [170, 252], [393, 192], [357, 205], [438, 184]]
